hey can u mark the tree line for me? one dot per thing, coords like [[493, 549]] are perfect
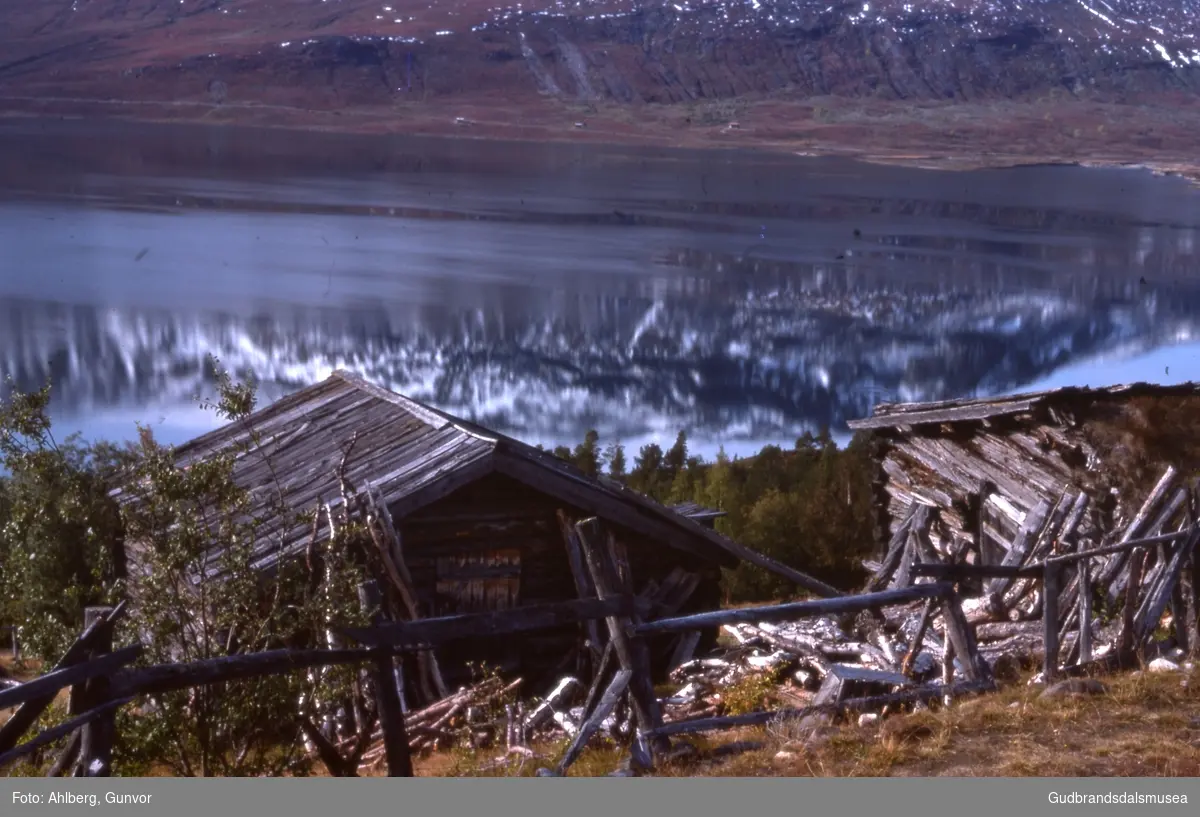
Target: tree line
[[810, 506]]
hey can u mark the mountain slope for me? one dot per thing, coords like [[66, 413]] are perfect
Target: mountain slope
[[517, 65]]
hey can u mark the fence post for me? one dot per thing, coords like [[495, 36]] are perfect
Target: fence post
[[1085, 611], [962, 637], [96, 740], [631, 650], [1050, 590], [387, 698]]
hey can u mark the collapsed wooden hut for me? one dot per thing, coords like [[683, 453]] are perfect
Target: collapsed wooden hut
[[985, 464], [483, 522]]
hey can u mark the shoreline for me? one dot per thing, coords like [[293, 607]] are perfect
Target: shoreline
[[930, 137]]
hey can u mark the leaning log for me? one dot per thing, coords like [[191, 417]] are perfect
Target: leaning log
[[629, 648], [65, 728], [387, 697], [1160, 596], [604, 708], [32, 709]]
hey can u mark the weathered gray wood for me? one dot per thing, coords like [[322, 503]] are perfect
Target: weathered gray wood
[[1161, 594], [168, 677], [1125, 640], [897, 548], [31, 710], [1066, 535], [96, 738], [965, 571], [925, 693], [387, 698], [583, 584], [908, 559], [947, 666], [1019, 549], [1000, 630], [1179, 609], [66, 758], [810, 652], [1109, 575], [684, 649], [1068, 631], [957, 414], [598, 677], [1085, 611], [962, 636], [1050, 591], [629, 648], [1191, 601], [1123, 547], [555, 701], [831, 693], [850, 672], [1151, 581], [923, 548], [795, 610], [677, 588], [604, 708], [65, 728], [418, 634], [52, 682], [1042, 549], [918, 641], [391, 550]]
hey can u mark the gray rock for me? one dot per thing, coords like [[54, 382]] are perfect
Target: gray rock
[[1074, 686]]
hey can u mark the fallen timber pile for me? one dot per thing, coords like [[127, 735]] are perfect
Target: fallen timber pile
[[932, 624], [1069, 601]]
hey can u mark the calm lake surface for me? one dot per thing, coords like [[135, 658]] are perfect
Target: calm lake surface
[[543, 290]]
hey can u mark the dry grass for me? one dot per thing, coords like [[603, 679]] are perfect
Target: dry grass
[[1147, 725]]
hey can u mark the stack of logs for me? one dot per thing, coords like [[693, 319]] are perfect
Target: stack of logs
[[1106, 594]]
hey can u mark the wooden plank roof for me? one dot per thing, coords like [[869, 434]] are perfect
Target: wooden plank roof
[[896, 415], [288, 455]]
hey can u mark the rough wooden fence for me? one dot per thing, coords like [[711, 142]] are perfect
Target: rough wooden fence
[[101, 680], [1067, 606]]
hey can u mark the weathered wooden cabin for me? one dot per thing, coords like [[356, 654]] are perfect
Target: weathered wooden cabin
[[985, 463], [483, 519]]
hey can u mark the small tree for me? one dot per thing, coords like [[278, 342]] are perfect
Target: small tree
[[614, 455], [183, 548], [60, 532], [198, 593]]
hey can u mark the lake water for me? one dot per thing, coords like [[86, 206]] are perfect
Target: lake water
[[543, 290]]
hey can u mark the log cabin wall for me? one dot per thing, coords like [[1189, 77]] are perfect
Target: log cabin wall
[[497, 543]]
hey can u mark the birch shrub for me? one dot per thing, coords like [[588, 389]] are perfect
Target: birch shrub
[[182, 547]]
